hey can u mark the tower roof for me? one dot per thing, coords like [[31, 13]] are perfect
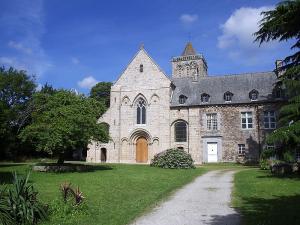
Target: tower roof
[[188, 50]]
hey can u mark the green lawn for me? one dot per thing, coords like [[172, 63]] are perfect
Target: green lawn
[[266, 200], [115, 194]]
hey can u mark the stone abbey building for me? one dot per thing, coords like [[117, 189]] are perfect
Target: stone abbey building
[[214, 118]]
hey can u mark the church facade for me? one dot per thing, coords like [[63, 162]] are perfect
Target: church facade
[[214, 118]]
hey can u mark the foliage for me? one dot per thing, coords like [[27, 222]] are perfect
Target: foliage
[[264, 164], [16, 89], [283, 23], [5, 218], [67, 192], [63, 122], [101, 92], [19, 205], [173, 159]]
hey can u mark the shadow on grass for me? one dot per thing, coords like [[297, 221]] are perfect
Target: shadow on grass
[[230, 219], [284, 177], [10, 164], [281, 210], [6, 177]]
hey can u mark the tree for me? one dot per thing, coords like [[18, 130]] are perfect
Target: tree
[[101, 92], [283, 23], [16, 89], [63, 122]]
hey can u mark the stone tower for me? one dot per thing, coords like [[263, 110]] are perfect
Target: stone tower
[[189, 64]]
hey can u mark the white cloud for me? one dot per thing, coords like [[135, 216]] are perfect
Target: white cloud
[[240, 26], [188, 18], [20, 47], [87, 82], [75, 60], [237, 37]]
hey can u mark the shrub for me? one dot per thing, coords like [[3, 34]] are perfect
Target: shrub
[[173, 159], [282, 168], [19, 204], [68, 192], [264, 164]]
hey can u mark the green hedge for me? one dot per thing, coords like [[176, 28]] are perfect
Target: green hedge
[[173, 159]]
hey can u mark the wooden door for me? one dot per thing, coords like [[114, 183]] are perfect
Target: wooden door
[[141, 150], [103, 155]]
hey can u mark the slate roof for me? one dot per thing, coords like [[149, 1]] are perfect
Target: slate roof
[[240, 85], [188, 50]]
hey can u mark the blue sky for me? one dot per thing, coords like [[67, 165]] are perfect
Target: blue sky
[[74, 44]]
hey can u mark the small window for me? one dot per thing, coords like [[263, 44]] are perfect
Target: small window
[[141, 68], [180, 132], [212, 121], [246, 120], [269, 120], [278, 93], [141, 112], [205, 98], [241, 149], [182, 99], [253, 95], [228, 96]]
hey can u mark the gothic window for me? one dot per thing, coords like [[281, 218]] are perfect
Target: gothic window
[[141, 111], [180, 131], [212, 121], [269, 120], [205, 98], [247, 120], [182, 99], [141, 68], [253, 95], [228, 96]]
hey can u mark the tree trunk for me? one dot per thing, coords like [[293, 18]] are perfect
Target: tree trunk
[[61, 158]]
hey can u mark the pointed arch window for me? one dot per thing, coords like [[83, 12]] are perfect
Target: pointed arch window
[[228, 96], [205, 98], [253, 95], [141, 111]]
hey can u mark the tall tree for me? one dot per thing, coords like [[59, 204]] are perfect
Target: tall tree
[[63, 122], [16, 89], [282, 24], [101, 92]]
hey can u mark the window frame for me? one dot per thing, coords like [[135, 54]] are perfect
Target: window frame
[[212, 121], [228, 94], [206, 97], [267, 119], [141, 111], [182, 99], [241, 149], [183, 132], [251, 93], [247, 118]]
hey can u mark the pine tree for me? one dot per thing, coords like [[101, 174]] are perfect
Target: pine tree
[[282, 24]]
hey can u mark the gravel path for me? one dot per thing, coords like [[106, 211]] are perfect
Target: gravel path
[[204, 201]]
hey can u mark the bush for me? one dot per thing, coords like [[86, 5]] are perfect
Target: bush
[[282, 168], [19, 204], [264, 164], [173, 159]]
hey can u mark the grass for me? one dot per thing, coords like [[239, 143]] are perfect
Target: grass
[[115, 194], [263, 199]]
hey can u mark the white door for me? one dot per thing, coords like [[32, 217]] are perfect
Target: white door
[[212, 152]]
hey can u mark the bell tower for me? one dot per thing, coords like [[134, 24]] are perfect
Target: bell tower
[[189, 64]]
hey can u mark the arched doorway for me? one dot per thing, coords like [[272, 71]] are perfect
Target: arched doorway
[[103, 155], [141, 150]]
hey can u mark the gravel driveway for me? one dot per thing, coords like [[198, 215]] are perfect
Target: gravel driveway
[[204, 201]]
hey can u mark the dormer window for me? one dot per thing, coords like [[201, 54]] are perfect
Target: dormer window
[[253, 95], [182, 99], [228, 96], [141, 68], [205, 98]]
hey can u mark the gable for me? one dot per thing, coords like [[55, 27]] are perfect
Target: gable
[[151, 76]]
